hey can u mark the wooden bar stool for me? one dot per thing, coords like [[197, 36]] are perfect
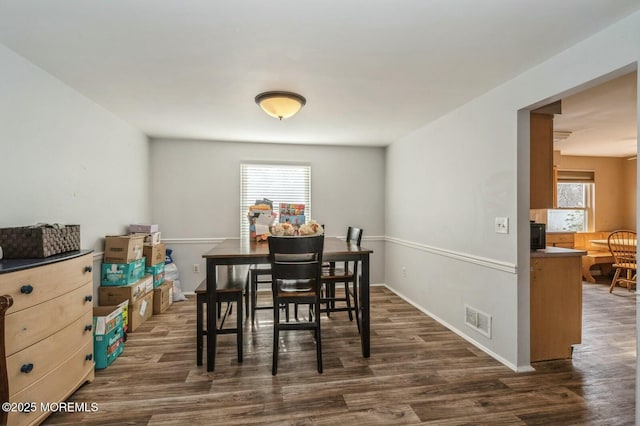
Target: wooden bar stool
[[232, 286]]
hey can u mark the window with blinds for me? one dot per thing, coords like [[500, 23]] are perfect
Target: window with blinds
[[281, 183], [575, 210]]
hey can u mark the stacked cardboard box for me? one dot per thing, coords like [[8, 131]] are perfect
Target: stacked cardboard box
[[154, 251], [154, 266], [108, 333], [162, 297], [123, 278], [139, 295], [123, 260]]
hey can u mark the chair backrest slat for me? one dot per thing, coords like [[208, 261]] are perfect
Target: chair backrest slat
[[354, 235], [296, 257], [623, 246]]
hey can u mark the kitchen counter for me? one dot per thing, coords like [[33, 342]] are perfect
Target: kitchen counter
[[556, 302], [557, 252]]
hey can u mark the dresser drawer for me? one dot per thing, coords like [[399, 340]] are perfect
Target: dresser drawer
[[55, 386], [30, 287], [39, 359], [28, 326]]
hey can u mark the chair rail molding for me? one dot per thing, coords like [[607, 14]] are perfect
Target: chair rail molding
[[465, 257], [208, 240]]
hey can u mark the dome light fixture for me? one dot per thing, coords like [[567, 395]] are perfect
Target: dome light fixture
[[280, 104]]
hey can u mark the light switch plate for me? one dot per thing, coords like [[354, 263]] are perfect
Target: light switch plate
[[502, 225]]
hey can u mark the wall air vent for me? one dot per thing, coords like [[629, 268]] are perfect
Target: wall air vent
[[477, 320]]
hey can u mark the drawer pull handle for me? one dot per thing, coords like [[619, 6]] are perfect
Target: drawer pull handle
[[88, 357], [88, 268], [88, 298], [26, 289], [88, 327], [26, 368]]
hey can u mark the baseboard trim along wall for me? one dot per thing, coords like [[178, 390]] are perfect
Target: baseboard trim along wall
[[521, 369], [465, 257]]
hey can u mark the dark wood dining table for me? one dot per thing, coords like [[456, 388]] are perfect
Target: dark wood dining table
[[234, 251]]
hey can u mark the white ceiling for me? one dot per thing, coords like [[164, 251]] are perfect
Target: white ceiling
[[602, 120], [372, 71]]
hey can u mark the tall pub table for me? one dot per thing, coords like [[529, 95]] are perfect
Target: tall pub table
[[235, 251]]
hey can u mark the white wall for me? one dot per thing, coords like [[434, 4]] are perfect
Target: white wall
[[195, 187], [447, 182], [65, 159]]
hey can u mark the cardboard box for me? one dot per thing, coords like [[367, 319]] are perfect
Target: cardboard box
[[157, 271], [143, 228], [125, 316], [162, 297], [150, 239], [108, 296], [140, 311], [116, 274], [154, 254], [108, 334], [123, 248]]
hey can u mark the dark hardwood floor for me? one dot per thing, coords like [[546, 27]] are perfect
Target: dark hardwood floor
[[418, 373]]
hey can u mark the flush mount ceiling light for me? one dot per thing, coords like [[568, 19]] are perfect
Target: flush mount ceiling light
[[280, 104]]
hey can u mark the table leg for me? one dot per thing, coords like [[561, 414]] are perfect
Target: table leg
[[364, 308], [212, 307]]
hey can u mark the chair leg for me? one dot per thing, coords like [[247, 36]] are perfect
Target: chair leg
[[276, 337], [247, 301], [348, 300], [615, 280], [239, 326], [356, 304], [199, 329], [318, 336], [254, 296]]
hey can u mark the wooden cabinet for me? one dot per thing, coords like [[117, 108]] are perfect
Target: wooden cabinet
[[47, 336], [556, 304], [560, 239], [541, 155]]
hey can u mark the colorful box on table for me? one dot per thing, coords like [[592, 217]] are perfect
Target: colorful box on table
[[154, 254], [123, 248], [162, 297], [108, 334], [157, 272], [117, 274]]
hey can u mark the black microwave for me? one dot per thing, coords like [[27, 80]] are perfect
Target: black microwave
[[538, 236]]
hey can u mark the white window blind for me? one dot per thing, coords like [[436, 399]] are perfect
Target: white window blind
[[576, 176], [281, 183]]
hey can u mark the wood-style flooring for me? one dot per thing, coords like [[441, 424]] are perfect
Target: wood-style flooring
[[418, 373]]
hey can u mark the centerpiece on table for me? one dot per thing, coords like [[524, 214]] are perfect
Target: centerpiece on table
[[287, 229]]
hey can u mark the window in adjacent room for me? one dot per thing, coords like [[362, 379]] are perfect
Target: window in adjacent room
[[575, 202], [279, 182]]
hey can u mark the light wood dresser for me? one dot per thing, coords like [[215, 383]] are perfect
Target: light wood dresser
[[46, 333]]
